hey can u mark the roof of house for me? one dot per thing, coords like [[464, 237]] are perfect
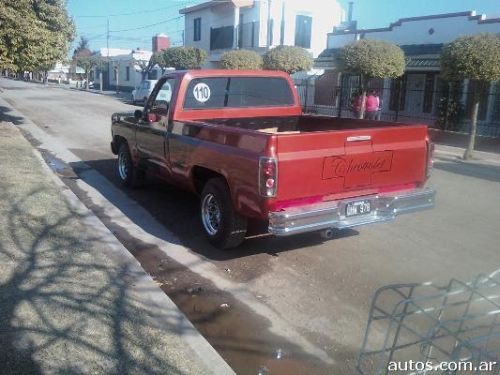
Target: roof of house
[[409, 50], [481, 18], [418, 55], [212, 3], [422, 49]]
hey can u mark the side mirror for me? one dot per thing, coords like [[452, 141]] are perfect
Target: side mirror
[[138, 114], [152, 117]]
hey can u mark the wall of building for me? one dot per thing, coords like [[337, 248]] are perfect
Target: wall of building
[[213, 17], [326, 14], [224, 15], [424, 31]]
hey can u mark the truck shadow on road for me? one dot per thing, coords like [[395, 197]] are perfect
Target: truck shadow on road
[[65, 307], [178, 212]]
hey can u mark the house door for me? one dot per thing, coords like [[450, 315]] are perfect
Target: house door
[[414, 94]]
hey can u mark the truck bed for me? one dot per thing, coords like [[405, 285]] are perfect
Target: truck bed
[[324, 157], [300, 124]]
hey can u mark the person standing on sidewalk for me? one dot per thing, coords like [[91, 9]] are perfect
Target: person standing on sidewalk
[[355, 104], [372, 105]]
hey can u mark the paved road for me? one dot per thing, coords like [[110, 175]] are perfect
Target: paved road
[[305, 296]]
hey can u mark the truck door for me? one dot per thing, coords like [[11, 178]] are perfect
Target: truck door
[[152, 129]]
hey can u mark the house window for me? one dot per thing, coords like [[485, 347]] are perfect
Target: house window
[[303, 27], [127, 73], [221, 37], [496, 104], [483, 90], [325, 89], [429, 92], [271, 28], [398, 94], [253, 34], [197, 29], [240, 32]]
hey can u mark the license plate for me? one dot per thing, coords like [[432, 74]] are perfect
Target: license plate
[[358, 208]]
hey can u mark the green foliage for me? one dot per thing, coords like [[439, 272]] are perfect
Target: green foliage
[[157, 59], [83, 49], [372, 58], [34, 34], [288, 59], [88, 63], [472, 57], [475, 57], [147, 66], [241, 59], [182, 58]]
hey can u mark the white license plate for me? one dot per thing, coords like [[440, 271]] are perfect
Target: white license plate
[[358, 208]]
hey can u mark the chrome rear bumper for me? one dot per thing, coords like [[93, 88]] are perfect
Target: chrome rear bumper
[[385, 207]]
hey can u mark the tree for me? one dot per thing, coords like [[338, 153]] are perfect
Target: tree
[[83, 48], [87, 63], [148, 66], [34, 34], [475, 57], [288, 59], [371, 58], [241, 59], [182, 58]]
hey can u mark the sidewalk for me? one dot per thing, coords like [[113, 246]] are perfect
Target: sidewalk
[[453, 144], [72, 298]]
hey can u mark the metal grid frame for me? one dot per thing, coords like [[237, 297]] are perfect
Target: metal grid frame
[[459, 322]]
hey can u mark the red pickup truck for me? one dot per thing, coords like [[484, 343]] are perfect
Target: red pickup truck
[[240, 141]]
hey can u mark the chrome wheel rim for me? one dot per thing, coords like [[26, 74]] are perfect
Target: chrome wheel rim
[[122, 166], [210, 214]]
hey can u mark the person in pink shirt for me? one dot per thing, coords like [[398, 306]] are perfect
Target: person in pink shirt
[[372, 105]]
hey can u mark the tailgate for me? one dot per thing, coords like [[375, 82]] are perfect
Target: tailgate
[[346, 163]]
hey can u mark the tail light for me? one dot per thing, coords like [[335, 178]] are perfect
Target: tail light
[[268, 176], [430, 155]]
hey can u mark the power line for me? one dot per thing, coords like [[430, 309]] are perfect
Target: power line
[[146, 26], [133, 13]]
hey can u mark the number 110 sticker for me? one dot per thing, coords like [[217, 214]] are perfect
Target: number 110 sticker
[[201, 92]]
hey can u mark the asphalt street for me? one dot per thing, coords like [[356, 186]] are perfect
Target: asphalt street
[[301, 296]]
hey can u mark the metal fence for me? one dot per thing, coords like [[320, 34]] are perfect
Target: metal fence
[[445, 108], [427, 323]]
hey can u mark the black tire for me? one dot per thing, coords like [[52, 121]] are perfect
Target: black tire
[[129, 175], [227, 230]]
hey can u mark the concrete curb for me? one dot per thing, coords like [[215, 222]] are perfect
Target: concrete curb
[[207, 354]]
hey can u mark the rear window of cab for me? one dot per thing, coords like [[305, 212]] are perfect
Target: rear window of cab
[[238, 92]]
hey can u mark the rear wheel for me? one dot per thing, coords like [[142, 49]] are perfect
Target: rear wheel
[[130, 175], [224, 227]]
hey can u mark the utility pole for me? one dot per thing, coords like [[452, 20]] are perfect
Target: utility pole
[[269, 25], [107, 52]]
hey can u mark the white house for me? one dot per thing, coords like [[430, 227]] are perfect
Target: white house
[[417, 94], [124, 67], [217, 26]]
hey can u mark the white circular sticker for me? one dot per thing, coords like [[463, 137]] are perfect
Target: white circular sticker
[[201, 92]]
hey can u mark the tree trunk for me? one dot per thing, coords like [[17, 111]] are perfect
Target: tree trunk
[[87, 75], [364, 84], [469, 151]]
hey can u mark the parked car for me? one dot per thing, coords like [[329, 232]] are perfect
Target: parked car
[[240, 141], [142, 92]]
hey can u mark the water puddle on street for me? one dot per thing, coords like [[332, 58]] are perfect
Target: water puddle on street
[[241, 338]]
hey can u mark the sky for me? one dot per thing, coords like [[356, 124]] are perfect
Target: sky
[[132, 23]]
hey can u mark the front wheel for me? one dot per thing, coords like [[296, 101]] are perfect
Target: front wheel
[[129, 174], [223, 226]]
